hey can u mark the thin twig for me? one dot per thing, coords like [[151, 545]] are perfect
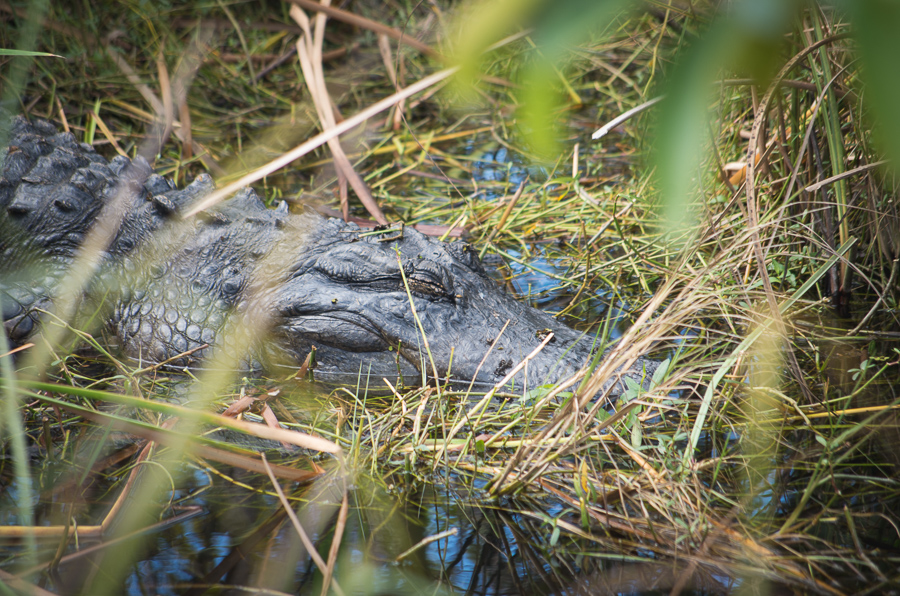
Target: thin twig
[[425, 542], [307, 543], [319, 140], [625, 116], [364, 23], [847, 174]]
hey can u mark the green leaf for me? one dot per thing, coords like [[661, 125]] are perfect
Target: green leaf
[[660, 373], [554, 537], [746, 41], [26, 53], [632, 390], [637, 432]]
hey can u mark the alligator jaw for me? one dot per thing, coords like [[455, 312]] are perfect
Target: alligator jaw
[[410, 364]]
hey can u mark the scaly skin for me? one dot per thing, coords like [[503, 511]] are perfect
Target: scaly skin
[[167, 286]]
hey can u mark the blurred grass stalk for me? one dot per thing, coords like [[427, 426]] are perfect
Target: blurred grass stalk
[[558, 28], [12, 430], [760, 440]]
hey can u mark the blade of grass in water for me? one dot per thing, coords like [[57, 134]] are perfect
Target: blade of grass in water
[[729, 362]]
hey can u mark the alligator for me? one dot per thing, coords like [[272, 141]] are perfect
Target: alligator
[[168, 288]]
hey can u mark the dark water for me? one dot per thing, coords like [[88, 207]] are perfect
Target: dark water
[[240, 538], [492, 553]]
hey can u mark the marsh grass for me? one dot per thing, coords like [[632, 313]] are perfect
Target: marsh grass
[[763, 453]]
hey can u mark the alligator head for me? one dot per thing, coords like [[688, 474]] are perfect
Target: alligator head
[[399, 302], [392, 304]]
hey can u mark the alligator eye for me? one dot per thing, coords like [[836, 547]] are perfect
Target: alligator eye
[[64, 205], [428, 287], [465, 254], [430, 280]]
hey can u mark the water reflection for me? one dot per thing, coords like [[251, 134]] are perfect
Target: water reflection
[[535, 278], [502, 165], [495, 551], [243, 542]]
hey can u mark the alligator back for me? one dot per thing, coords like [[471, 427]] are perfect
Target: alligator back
[[164, 285]]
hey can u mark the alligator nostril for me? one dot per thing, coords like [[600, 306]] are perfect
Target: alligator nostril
[[17, 209], [503, 367]]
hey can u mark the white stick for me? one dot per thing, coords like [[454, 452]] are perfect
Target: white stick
[[602, 132]]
